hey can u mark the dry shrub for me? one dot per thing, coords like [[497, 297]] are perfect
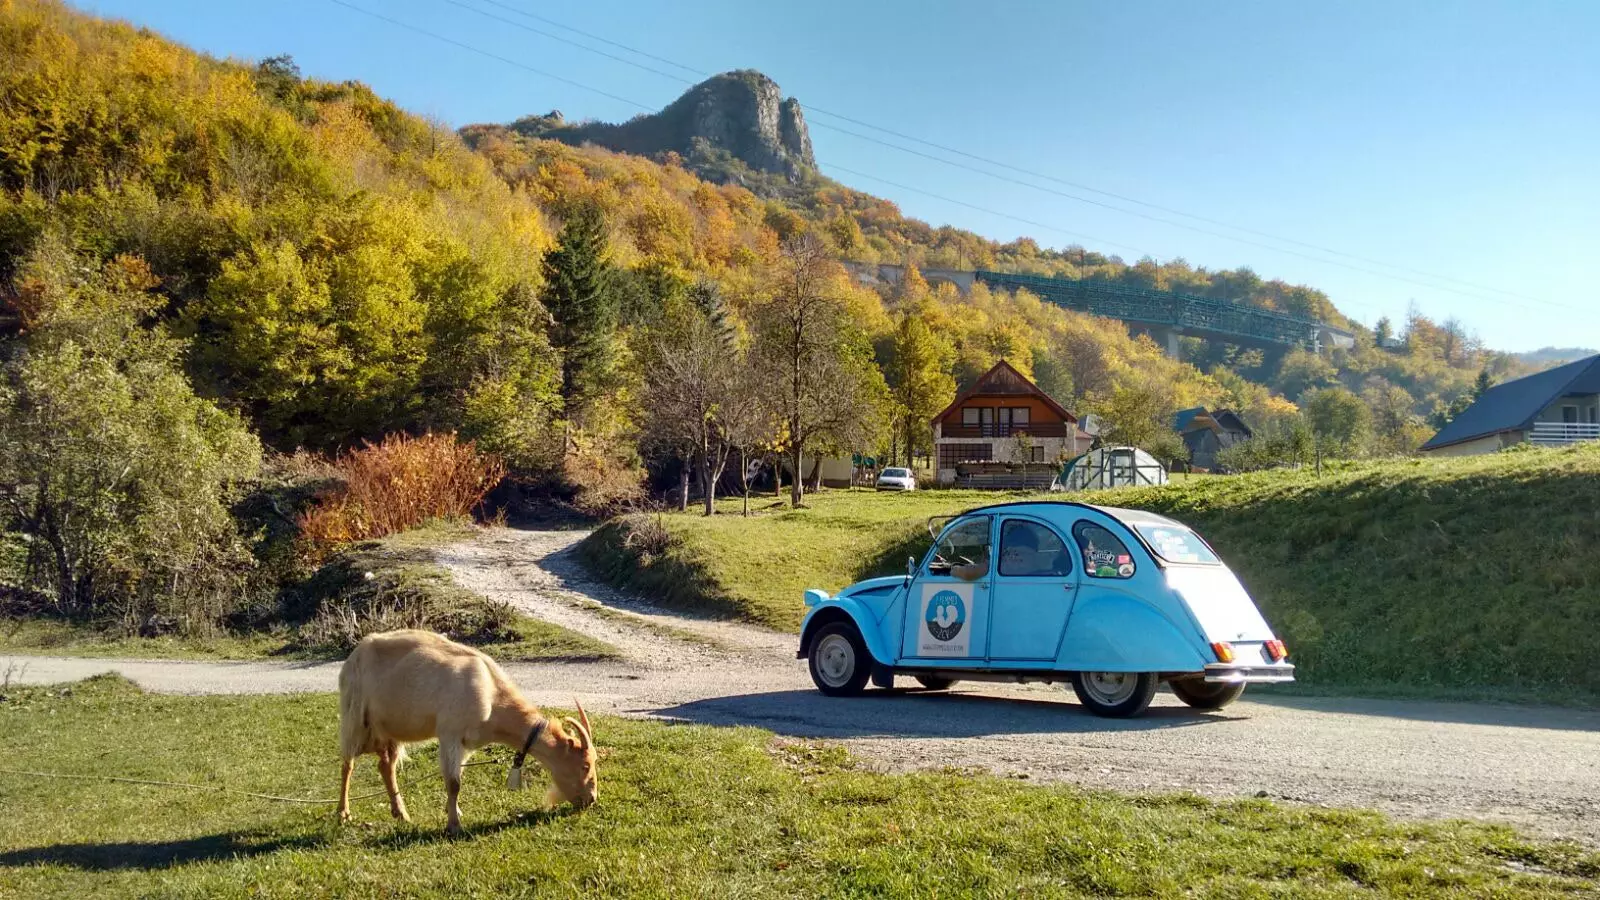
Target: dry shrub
[[602, 482], [397, 484]]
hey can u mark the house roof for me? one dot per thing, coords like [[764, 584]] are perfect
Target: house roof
[[1512, 406], [1199, 417], [1001, 380]]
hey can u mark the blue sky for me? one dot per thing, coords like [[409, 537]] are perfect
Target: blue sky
[[1456, 139]]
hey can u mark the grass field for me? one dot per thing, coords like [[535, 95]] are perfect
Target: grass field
[[1465, 576], [405, 589], [684, 811]]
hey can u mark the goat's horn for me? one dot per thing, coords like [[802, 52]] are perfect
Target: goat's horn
[[588, 730], [577, 728]]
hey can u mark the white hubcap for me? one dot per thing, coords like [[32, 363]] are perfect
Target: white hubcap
[[1110, 688], [836, 659]]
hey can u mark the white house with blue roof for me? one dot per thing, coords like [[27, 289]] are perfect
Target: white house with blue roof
[[1549, 408]]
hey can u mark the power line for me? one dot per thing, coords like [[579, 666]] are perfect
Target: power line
[[1009, 167], [581, 86], [984, 209], [495, 56]]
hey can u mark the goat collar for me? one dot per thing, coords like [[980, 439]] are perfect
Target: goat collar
[[533, 735]]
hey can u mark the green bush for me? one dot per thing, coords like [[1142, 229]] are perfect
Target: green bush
[[115, 473]]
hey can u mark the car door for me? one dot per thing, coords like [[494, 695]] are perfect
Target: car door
[[947, 609], [1034, 589]]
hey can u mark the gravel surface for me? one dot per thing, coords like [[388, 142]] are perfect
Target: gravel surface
[[1538, 768]]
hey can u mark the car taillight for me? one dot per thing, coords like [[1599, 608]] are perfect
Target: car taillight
[[1224, 651], [1277, 650]]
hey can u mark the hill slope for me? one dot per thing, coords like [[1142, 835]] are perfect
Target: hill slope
[[1479, 573]]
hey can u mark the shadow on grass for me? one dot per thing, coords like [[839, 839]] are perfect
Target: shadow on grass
[[655, 567], [422, 837], [118, 855], [923, 714]]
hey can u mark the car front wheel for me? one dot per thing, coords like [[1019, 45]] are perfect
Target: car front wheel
[[1202, 694], [840, 665], [1116, 695]]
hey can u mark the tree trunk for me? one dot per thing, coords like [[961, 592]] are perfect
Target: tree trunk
[[814, 480], [795, 487], [744, 479], [911, 439], [683, 487]]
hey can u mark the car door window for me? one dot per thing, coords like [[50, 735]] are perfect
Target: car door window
[[963, 550], [1104, 554], [1031, 549]]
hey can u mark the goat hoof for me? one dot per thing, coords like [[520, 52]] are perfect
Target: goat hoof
[[344, 817]]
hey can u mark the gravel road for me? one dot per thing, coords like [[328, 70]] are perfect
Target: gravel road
[[1538, 768]]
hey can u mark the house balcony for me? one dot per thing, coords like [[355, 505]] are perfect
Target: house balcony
[[1552, 434], [994, 430]]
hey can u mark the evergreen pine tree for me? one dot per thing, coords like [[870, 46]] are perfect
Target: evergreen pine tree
[[1482, 384], [708, 299], [580, 295]]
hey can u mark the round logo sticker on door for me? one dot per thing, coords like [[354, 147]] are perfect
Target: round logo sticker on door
[[946, 615]]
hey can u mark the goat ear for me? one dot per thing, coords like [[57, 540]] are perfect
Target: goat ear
[[576, 732]]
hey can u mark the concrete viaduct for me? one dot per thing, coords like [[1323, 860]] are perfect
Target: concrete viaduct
[[1165, 315]]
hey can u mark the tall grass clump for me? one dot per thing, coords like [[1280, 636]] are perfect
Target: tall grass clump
[[396, 484]]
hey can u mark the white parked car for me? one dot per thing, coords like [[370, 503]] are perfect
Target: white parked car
[[897, 480]]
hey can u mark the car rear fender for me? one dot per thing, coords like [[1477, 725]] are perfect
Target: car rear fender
[[1121, 633], [857, 614]]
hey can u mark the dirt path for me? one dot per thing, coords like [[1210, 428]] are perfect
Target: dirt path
[[1537, 768], [537, 572]]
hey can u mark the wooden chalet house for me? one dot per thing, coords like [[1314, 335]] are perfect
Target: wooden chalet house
[[985, 421]]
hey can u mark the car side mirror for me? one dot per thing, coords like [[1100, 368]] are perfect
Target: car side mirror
[[911, 566]]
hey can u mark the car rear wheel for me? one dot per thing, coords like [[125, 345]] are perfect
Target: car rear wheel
[[1202, 694], [935, 684], [840, 665], [1115, 695]]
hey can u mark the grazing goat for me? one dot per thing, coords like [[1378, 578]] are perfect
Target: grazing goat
[[400, 687]]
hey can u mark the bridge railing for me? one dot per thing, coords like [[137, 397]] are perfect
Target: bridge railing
[[1162, 307]]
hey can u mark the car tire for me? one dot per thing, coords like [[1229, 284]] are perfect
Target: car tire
[[840, 663], [1202, 694], [935, 684], [1115, 695]]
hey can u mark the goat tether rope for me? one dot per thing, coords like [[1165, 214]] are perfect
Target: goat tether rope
[[222, 789]]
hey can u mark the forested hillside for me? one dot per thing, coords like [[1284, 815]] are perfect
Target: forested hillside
[[202, 261]]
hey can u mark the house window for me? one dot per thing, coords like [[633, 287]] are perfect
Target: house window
[[1038, 454], [1569, 415], [950, 454], [1016, 416], [1594, 415], [969, 415]]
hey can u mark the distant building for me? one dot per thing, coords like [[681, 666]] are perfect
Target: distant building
[[1556, 406], [983, 425], [1208, 433]]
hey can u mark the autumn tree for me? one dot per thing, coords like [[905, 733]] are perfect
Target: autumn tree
[[918, 374], [1339, 421], [578, 293], [823, 386]]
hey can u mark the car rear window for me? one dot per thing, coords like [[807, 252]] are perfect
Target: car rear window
[[1174, 543]]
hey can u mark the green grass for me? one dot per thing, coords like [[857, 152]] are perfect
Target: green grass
[[406, 589], [1473, 577], [685, 811]]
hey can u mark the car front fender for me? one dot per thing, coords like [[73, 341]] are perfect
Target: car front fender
[[1120, 633], [844, 609]]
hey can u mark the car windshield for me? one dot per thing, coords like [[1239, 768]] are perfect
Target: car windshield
[[895, 473], [1174, 543]]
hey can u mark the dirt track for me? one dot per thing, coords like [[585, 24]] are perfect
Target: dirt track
[[1538, 768]]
